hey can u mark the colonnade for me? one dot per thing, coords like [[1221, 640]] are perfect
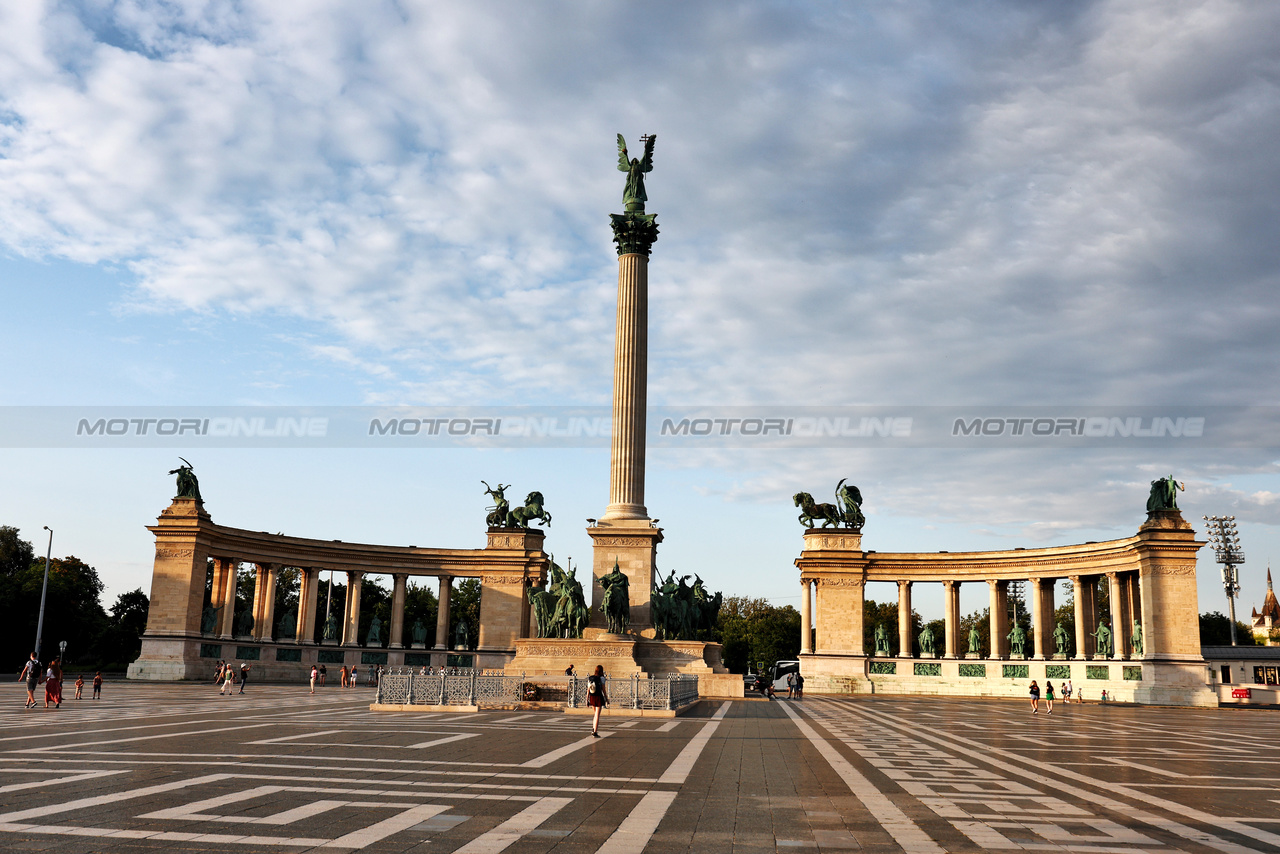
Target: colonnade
[[223, 600], [1125, 598]]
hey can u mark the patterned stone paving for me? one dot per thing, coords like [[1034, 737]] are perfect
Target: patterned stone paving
[[180, 768]]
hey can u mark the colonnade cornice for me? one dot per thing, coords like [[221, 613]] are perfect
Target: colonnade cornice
[[258, 547]]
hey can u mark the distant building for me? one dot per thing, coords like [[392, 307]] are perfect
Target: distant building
[[1266, 623]]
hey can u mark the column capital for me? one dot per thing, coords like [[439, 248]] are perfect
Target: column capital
[[903, 582], [635, 233]]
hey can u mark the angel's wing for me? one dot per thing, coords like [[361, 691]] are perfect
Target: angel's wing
[[624, 165], [647, 163]]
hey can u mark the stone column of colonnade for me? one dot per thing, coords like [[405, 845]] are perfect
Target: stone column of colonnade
[[904, 619], [1042, 616], [1120, 620], [806, 617], [396, 639], [999, 593], [230, 568], [442, 614], [951, 619], [351, 622], [308, 598], [264, 602], [1133, 599]]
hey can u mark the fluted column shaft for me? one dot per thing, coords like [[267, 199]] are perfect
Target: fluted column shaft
[[308, 597], [1119, 616], [999, 597], [806, 619], [396, 639], [351, 628], [264, 603], [904, 619], [1082, 634], [630, 391], [230, 569], [951, 615], [442, 614]]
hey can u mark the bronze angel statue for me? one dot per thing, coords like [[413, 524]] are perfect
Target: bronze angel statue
[[633, 195]]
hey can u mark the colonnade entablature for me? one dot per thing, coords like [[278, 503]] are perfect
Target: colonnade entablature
[[1150, 579], [189, 545]]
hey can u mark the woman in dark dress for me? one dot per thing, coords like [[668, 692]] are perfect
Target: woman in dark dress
[[597, 698]]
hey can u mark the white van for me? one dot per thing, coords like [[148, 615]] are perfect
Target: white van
[[780, 672]]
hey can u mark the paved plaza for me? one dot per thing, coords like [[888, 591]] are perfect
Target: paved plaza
[[180, 768]]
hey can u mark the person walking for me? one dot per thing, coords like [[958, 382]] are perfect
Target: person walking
[[315, 674], [244, 675], [217, 672], [324, 672], [1035, 698], [1066, 692], [1048, 697], [80, 687], [342, 676], [31, 673], [355, 679], [228, 679], [799, 685], [597, 698], [97, 685], [53, 685], [791, 685]]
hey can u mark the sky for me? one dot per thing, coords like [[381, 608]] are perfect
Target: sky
[[912, 206]]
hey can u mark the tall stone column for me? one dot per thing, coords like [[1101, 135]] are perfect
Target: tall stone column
[[999, 592], [624, 535], [806, 618], [904, 619], [351, 627], [1082, 636], [229, 582], [264, 602], [308, 597], [396, 640], [442, 614], [216, 591], [1041, 617], [951, 619], [1119, 615]]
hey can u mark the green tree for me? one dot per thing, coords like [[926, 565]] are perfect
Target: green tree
[[982, 621], [73, 611], [375, 600], [464, 604], [1215, 630], [752, 631], [419, 605], [121, 639]]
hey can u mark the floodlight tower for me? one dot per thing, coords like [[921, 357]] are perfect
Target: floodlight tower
[[1225, 540]]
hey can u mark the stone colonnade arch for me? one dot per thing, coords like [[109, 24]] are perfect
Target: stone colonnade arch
[[1151, 581], [189, 544]]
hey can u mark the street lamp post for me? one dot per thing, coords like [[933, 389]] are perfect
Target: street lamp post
[[1225, 540], [44, 590], [62, 652]]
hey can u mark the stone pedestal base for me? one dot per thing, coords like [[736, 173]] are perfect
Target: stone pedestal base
[[633, 545], [835, 673], [624, 656], [418, 646], [550, 657], [1059, 657], [973, 655]]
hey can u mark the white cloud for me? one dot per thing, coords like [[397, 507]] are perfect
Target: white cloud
[[923, 203]]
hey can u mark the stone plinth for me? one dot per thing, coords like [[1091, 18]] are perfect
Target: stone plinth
[[550, 657], [633, 546]]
